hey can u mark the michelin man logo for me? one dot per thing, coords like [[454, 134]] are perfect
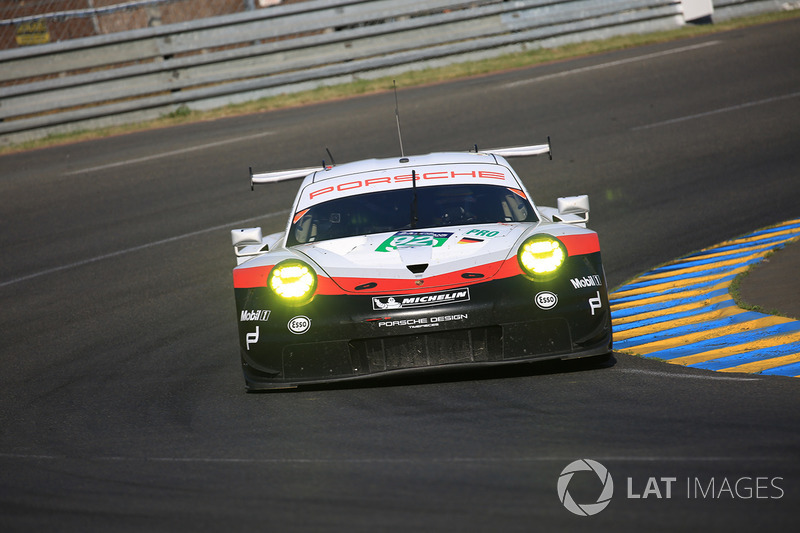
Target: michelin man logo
[[587, 509]]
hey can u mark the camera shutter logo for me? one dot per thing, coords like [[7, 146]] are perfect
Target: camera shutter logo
[[587, 509]]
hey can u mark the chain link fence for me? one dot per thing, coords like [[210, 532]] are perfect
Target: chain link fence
[[35, 22]]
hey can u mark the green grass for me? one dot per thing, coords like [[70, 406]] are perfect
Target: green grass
[[735, 290], [185, 114]]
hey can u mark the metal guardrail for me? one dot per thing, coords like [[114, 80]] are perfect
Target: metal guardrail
[[142, 74]]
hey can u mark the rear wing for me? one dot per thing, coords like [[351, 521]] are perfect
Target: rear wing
[[521, 151], [280, 175], [283, 175]]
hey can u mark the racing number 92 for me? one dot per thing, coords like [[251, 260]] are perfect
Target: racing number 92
[[409, 239]]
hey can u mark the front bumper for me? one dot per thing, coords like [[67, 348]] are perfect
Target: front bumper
[[341, 337]]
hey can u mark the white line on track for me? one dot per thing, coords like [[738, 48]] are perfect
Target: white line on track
[[712, 377], [720, 110], [168, 154], [387, 460], [137, 248], [610, 64]]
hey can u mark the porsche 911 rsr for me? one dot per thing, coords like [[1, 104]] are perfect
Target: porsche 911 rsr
[[419, 262]]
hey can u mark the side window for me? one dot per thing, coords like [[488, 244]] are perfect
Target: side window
[[515, 209], [302, 228], [519, 211]]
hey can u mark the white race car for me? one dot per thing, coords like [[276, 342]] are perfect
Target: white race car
[[418, 262]]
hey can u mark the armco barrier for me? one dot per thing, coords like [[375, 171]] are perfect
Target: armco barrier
[[141, 74]]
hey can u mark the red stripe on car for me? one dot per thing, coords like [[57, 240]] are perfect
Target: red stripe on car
[[246, 278], [581, 244]]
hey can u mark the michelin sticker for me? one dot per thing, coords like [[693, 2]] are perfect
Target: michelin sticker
[[420, 300]]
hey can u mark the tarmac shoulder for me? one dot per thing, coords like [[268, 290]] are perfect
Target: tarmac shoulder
[[773, 284]]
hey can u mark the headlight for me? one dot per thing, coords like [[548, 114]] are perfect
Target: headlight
[[294, 281], [541, 255]]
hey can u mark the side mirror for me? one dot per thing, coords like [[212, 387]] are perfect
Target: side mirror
[[574, 209], [246, 236], [247, 242]]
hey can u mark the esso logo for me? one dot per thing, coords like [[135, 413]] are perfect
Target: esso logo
[[299, 324], [546, 300]]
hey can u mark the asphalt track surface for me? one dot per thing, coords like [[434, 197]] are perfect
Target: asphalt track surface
[[123, 407]]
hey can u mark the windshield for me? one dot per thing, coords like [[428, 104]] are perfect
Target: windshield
[[435, 206]]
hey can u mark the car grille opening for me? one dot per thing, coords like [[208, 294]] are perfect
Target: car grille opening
[[475, 345], [430, 349], [417, 269]]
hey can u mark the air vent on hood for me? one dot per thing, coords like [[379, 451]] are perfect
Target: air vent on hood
[[417, 269]]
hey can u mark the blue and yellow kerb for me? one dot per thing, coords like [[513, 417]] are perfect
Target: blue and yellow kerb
[[683, 313]]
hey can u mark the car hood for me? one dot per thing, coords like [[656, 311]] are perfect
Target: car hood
[[416, 259]]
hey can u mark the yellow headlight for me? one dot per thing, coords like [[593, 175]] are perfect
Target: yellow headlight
[[541, 255], [293, 280]]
